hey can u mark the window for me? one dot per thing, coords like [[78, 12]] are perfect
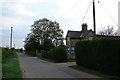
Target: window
[[90, 38], [68, 39]]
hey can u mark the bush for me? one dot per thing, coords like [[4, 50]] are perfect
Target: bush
[[59, 54], [6, 52], [31, 53], [46, 54], [21, 50], [101, 55]]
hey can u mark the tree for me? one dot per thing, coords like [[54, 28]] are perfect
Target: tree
[[46, 33], [31, 44], [117, 33], [21, 50], [109, 31]]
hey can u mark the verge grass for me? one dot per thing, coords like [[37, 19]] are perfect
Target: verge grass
[[11, 68]]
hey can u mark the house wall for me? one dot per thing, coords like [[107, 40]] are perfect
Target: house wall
[[71, 42], [90, 34], [71, 47], [67, 42], [74, 41]]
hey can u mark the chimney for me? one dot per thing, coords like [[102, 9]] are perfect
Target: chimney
[[84, 27]]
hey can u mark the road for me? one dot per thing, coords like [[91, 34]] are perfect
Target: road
[[37, 68]]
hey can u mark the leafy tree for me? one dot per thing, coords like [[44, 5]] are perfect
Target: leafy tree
[[31, 44], [46, 33], [21, 50]]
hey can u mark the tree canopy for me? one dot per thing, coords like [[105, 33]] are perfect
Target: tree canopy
[[45, 34]]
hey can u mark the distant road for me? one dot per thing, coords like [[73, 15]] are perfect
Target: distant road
[[36, 68]]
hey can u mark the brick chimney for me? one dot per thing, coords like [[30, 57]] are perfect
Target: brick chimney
[[84, 27]]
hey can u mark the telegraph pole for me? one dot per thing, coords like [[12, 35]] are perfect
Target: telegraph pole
[[11, 38], [94, 22]]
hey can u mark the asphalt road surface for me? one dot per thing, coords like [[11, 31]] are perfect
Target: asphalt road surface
[[37, 68]]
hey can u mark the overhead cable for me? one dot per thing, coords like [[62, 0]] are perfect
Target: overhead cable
[[86, 13], [107, 13], [68, 10]]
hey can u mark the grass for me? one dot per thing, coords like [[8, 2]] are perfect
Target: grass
[[51, 60], [95, 72], [71, 60], [11, 68]]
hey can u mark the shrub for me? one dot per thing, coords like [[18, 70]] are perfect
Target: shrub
[[59, 54], [31, 53], [6, 52], [101, 55], [21, 50], [46, 54]]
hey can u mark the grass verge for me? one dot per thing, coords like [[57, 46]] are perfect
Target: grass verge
[[11, 68], [51, 60], [111, 77]]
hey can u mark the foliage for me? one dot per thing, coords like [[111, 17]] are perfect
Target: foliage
[[106, 76], [21, 50], [31, 44], [47, 45], [46, 54], [6, 52], [11, 68], [47, 59], [45, 34], [31, 53], [59, 54], [101, 55]]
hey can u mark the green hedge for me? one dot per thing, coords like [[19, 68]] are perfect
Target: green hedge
[[101, 55], [46, 54], [59, 54], [6, 52], [31, 53]]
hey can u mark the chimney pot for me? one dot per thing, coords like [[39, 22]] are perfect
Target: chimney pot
[[84, 27]]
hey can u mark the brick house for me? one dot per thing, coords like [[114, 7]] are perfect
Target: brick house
[[73, 36]]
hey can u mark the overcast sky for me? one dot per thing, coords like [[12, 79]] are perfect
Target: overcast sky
[[68, 13]]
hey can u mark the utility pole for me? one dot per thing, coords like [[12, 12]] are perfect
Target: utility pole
[[119, 17], [11, 38], [94, 23]]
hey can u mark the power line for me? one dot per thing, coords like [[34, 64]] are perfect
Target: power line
[[86, 13], [68, 10], [107, 13]]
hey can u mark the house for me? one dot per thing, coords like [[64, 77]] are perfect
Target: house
[[73, 36]]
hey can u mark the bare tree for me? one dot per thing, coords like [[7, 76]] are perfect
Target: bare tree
[[109, 31], [117, 33]]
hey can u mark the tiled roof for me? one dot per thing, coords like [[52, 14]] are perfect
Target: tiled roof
[[77, 34]]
